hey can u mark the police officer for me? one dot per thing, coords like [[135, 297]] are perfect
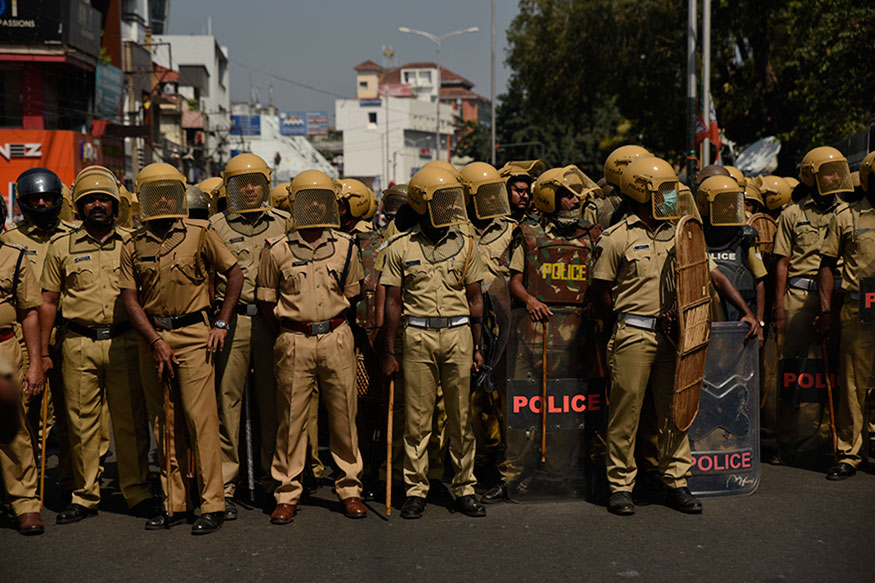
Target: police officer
[[732, 244], [279, 196], [777, 193], [519, 176], [306, 280], [557, 238], [630, 259], [39, 195], [19, 298], [164, 287], [851, 238], [81, 276], [599, 211], [243, 227], [393, 198], [432, 275]]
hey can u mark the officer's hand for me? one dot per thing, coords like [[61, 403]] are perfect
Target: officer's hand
[[538, 311], [163, 358], [47, 364], [478, 361], [390, 365], [779, 320], [217, 339], [755, 331], [34, 380], [823, 323]]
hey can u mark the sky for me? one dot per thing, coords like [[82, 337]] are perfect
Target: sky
[[318, 42]]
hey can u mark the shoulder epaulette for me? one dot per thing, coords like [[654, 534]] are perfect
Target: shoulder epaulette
[[271, 241], [200, 223]]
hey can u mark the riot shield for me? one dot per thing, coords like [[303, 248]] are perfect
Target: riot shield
[[496, 331], [556, 407], [766, 228], [724, 438]]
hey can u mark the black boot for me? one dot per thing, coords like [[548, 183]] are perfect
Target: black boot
[[682, 500], [469, 506], [208, 522], [413, 507], [620, 503], [75, 513], [500, 493]]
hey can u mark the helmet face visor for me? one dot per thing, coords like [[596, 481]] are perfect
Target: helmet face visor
[[686, 204], [315, 207], [834, 178], [665, 201], [491, 201], [727, 209], [162, 199], [248, 193], [447, 207]]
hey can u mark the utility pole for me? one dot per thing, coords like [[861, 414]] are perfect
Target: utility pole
[[492, 94], [706, 79], [691, 91]]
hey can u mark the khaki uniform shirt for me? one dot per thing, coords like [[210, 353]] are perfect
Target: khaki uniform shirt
[[433, 289], [245, 241], [599, 211], [494, 243], [170, 274], [86, 274], [363, 226], [27, 293], [634, 257], [305, 281], [851, 238], [800, 236], [35, 241]]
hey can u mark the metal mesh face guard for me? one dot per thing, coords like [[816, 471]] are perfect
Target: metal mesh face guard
[[248, 193], [686, 204], [580, 184], [391, 203], [727, 209], [447, 207], [491, 201], [162, 199], [665, 202], [834, 178], [315, 207]]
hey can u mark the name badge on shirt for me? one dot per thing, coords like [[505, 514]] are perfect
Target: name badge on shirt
[[298, 263], [236, 240], [641, 247], [802, 223], [412, 262], [83, 258], [147, 258], [30, 251], [862, 230]]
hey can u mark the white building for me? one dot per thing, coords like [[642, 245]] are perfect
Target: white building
[[203, 76]]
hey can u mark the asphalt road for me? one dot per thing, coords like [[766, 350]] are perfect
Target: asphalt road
[[796, 527]]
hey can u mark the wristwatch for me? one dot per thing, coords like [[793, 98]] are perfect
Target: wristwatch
[[220, 324], [762, 324]]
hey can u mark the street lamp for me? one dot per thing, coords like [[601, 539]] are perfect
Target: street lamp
[[437, 41]]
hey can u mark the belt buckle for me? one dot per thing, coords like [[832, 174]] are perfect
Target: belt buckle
[[251, 309], [103, 333], [165, 322], [440, 322], [317, 328]]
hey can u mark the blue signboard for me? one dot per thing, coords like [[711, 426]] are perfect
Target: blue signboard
[[245, 125], [293, 123], [317, 123], [108, 83]]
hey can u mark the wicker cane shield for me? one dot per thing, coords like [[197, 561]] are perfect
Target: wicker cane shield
[[766, 228], [693, 288]]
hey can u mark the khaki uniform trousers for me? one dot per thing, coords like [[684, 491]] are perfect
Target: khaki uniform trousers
[[193, 394], [17, 462], [638, 357], [435, 358], [97, 373], [316, 465], [800, 339], [249, 343], [857, 373], [302, 363]]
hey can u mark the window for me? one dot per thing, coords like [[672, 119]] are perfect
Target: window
[[409, 77], [425, 77], [363, 84], [372, 119]]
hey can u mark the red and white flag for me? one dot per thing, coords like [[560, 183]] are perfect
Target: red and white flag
[[712, 132]]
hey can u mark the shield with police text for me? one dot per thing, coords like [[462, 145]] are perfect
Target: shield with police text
[[724, 438], [555, 410]]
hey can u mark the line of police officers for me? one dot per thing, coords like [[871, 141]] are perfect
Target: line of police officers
[[314, 304]]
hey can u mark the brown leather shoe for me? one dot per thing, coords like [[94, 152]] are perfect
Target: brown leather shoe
[[283, 514], [30, 523], [353, 507]]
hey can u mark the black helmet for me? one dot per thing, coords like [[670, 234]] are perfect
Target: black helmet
[[33, 183]]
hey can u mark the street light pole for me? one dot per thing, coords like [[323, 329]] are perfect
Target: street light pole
[[437, 41]]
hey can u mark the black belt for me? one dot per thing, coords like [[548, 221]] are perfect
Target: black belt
[[98, 332], [246, 309], [177, 322], [314, 328]]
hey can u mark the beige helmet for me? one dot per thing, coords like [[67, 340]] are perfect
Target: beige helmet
[[737, 175], [95, 182], [550, 183], [721, 199], [619, 159], [438, 194], [279, 196], [776, 191], [372, 210], [652, 180], [485, 187], [709, 171], [791, 181], [753, 192], [357, 195], [67, 213], [446, 166], [247, 184], [393, 197], [125, 207], [827, 169], [313, 200], [198, 203], [528, 170], [161, 191], [867, 166]]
